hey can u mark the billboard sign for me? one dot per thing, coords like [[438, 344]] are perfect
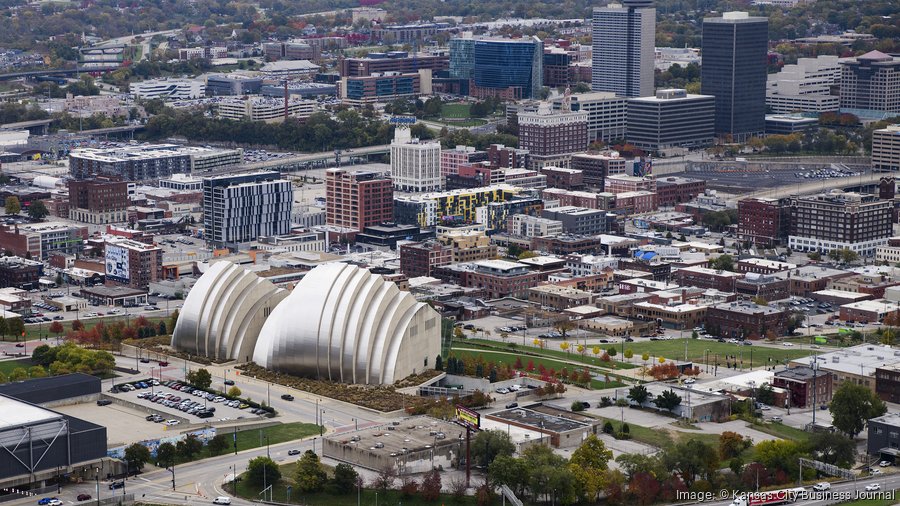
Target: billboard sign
[[403, 120], [468, 417], [117, 268]]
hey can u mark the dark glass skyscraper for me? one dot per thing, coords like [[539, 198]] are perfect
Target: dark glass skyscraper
[[734, 71], [514, 65]]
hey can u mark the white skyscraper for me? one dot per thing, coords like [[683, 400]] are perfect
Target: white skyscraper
[[415, 164], [624, 36]]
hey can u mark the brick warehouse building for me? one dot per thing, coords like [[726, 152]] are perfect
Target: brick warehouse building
[[132, 264], [806, 386], [98, 201], [762, 221], [746, 319], [357, 199]]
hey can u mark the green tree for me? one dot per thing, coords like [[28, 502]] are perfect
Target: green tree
[[16, 327], [310, 475], [588, 465], [173, 319], [18, 374], [344, 480], [667, 400], [490, 444], [638, 394], [37, 210], [12, 205], [691, 459], [765, 394], [509, 471], [234, 392], [722, 263], [732, 444], [852, 406], [217, 444], [832, 448], [136, 455], [189, 447], [779, 454], [37, 372], [262, 471], [165, 454], [201, 378]]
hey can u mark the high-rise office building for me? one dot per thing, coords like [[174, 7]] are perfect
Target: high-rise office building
[[241, 208], [886, 149], [871, 82], [734, 71], [624, 36], [462, 56], [357, 199], [507, 68], [415, 164]]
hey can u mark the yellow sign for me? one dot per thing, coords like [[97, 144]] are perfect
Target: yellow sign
[[467, 417]]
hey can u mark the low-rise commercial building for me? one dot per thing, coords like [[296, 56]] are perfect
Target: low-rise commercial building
[[746, 320], [806, 387], [884, 437], [703, 277], [579, 220]]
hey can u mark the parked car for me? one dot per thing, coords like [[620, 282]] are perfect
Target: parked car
[[83, 497], [885, 463], [104, 402], [512, 405]]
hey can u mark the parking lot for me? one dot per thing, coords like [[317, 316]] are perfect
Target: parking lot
[[124, 425], [167, 400]]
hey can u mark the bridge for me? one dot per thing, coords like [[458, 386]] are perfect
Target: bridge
[[39, 126], [56, 72]]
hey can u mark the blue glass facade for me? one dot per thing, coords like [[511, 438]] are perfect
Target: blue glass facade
[[462, 60], [502, 64]]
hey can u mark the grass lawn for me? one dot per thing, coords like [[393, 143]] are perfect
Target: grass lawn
[[783, 431], [277, 434], [6, 366], [36, 330], [367, 497], [455, 111], [510, 358], [674, 350], [571, 355], [659, 437]]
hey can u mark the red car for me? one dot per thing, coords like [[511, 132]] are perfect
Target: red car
[[84, 497]]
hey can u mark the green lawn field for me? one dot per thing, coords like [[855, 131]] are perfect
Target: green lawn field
[[696, 349]]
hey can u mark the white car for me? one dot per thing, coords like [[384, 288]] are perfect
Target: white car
[[874, 472], [788, 344], [172, 423], [885, 463], [222, 500], [873, 487], [821, 487], [689, 381]]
